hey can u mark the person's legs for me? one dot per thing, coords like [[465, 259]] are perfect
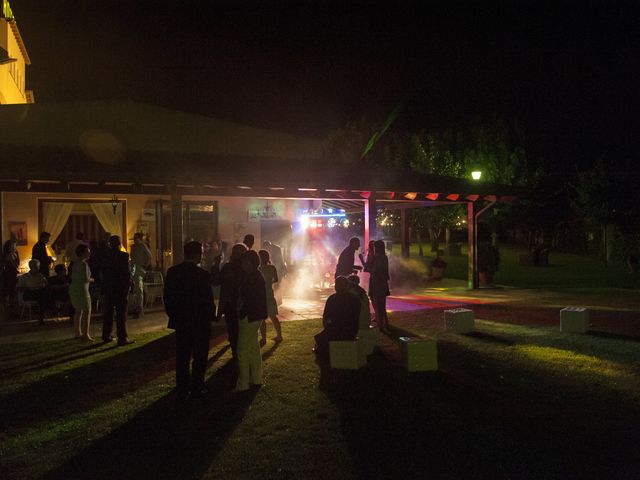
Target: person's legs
[[107, 317], [232, 333], [77, 315], [322, 343], [200, 344], [255, 357], [121, 318], [244, 351], [183, 355], [277, 327], [138, 293], [85, 321], [263, 332]]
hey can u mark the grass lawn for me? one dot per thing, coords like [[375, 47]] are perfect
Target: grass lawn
[[508, 401], [566, 271]]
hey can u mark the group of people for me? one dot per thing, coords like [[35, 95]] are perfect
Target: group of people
[[348, 310], [109, 267], [247, 299]]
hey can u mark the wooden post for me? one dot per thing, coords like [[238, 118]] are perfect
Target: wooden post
[[405, 232], [369, 220], [472, 249], [177, 237]]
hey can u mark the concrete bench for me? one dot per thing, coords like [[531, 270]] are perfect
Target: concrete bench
[[370, 338], [574, 320], [347, 354], [419, 354], [459, 320]]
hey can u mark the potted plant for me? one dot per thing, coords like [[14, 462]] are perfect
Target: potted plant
[[488, 262], [438, 266]]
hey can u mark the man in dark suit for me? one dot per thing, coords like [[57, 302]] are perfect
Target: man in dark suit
[[188, 301], [116, 282], [39, 252]]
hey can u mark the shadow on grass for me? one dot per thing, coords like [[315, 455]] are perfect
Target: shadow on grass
[[169, 439], [479, 417], [89, 385], [487, 337], [614, 336]]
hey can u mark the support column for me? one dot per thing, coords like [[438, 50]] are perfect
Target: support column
[[369, 220], [177, 237], [405, 232], [2, 219], [472, 248]]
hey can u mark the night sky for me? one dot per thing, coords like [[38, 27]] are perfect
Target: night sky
[[567, 72]]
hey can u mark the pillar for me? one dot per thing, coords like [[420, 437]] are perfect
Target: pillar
[[177, 237], [369, 220], [472, 248], [405, 233]]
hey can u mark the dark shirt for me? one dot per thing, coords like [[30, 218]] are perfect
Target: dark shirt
[[188, 299], [116, 278], [253, 297], [379, 280], [39, 252], [341, 315], [230, 279], [345, 262]]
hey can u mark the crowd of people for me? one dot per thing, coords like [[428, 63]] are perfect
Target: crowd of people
[[103, 270]]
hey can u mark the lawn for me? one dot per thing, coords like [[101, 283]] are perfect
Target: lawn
[[566, 271], [509, 401]]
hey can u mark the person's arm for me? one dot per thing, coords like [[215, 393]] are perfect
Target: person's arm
[[275, 274]]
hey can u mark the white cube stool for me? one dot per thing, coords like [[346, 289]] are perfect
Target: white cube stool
[[419, 354], [370, 338], [574, 320], [348, 354], [459, 320]]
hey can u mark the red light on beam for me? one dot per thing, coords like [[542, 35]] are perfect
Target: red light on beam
[[453, 197], [432, 196], [473, 198]]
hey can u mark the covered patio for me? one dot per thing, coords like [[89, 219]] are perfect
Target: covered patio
[[133, 153]]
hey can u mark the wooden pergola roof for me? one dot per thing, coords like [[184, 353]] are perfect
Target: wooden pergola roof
[[124, 147]]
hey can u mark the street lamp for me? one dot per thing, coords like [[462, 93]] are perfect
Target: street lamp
[[476, 174]]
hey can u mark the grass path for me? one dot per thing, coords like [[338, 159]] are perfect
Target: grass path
[[509, 401]]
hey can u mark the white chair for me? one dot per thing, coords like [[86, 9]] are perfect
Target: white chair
[[26, 304], [153, 288]]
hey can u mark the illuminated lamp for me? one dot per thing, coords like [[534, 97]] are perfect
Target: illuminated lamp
[[331, 223], [453, 197], [411, 195], [345, 223], [432, 196], [313, 224], [114, 203], [476, 174], [473, 198], [304, 221], [365, 194]]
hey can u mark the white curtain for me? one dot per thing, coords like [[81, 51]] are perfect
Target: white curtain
[[55, 216], [111, 222]]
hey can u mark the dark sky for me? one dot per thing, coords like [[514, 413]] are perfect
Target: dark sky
[[566, 71]]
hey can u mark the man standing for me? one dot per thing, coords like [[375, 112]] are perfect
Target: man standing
[[70, 251], [249, 240], [346, 266], [39, 252], [275, 252], [140, 263], [116, 282], [188, 301]]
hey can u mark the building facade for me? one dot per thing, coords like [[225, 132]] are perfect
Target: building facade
[[13, 60]]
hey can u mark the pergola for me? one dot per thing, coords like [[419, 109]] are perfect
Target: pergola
[[127, 148]]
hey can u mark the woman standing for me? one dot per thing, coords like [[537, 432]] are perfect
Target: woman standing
[[10, 265], [79, 293], [253, 311], [379, 284], [270, 275]]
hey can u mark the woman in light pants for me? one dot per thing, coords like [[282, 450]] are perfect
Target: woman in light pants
[[253, 311]]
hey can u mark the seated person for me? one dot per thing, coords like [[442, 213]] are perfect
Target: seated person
[[59, 286], [364, 320], [34, 287], [340, 317]]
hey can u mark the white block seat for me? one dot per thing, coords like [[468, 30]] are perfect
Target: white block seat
[[370, 337], [419, 354], [574, 320], [459, 320], [347, 354]]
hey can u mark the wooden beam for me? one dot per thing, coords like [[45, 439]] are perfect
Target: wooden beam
[[177, 237]]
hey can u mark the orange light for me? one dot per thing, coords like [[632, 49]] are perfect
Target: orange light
[[432, 196], [453, 197], [473, 197], [411, 195]]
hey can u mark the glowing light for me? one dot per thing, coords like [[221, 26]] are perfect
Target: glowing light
[[453, 197], [411, 195], [345, 223], [476, 174], [432, 196], [332, 222], [304, 221]]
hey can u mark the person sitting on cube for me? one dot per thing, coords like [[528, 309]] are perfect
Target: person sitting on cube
[[340, 317], [364, 320]]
